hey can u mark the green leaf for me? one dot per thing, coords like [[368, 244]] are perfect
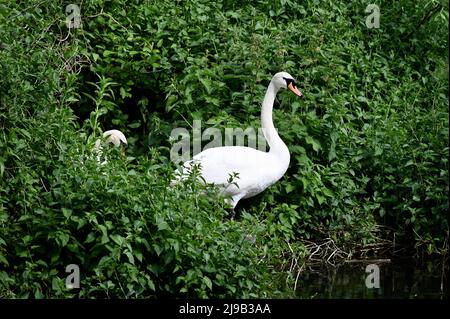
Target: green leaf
[[315, 145], [289, 188], [320, 199], [327, 192], [3, 260], [207, 84], [66, 212], [208, 282], [158, 249], [95, 56], [104, 238], [2, 168], [362, 99], [119, 240], [171, 103], [151, 284], [130, 257], [55, 283], [135, 124], [62, 238], [378, 151], [331, 154], [124, 93], [162, 224], [38, 294], [138, 254]]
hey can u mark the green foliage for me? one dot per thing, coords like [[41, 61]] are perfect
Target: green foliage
[[368, 141]]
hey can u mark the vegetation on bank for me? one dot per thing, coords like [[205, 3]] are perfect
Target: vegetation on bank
[[368, 141]]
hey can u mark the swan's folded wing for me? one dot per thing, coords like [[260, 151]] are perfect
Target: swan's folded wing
[[217, 164]]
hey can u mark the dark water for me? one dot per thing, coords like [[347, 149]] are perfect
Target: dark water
[[402, 278]]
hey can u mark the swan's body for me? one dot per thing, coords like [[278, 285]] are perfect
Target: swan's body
[[256, 170]]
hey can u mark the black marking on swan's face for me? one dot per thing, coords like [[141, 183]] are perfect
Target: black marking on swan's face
[[289, 81]]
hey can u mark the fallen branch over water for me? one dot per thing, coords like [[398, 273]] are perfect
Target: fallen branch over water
[[328, 251]]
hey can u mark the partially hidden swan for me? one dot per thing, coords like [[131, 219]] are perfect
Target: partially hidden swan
[[114, 137], [256, 170]]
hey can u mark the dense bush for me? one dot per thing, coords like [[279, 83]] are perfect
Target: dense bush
[[368, 141]]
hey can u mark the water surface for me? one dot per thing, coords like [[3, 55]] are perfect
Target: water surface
[[400, 278]]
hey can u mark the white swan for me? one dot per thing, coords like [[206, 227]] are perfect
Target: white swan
[[115, 137], [256, 170]]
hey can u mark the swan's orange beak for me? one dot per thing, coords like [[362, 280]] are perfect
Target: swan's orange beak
[[294, 89]]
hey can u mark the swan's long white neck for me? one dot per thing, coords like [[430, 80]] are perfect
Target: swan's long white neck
[[276, 144]]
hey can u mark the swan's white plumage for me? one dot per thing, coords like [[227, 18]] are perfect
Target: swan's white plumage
[[218, 164], [114, 137], [256, 170]]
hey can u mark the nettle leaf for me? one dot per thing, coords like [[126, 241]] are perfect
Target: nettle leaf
[[104, 239], [125, 93], [119, 240], [314, 143], [95, 56], [66, 212], [64, 239], [3, 260], [151, 284], [289, 188], [158, 249], [207, 282], [138, 254], [130, 256], [135, 124], [206, 83], [162, 224]]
